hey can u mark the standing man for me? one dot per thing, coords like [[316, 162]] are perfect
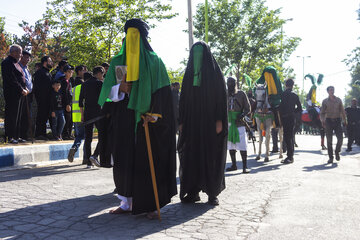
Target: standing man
[[42, 90], [14, 91], [238, 108], [203, 127], [353, 127], [89, 95], [332, 110], [27, 102], [139, 87], [289, 100]]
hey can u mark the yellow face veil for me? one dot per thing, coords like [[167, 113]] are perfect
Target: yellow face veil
[[132, 54], [270, 82]]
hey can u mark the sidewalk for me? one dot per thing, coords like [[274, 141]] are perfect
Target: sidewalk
[[38, 154]]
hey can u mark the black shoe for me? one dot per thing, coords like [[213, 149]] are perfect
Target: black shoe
[[275, 151], [246, 170], [13, 141], [288, 160], [330, 161], [20, 140], [337, 156], [349, 150], [94, 160], [213, 201], [191, 198], [71, 154], [232, 168]]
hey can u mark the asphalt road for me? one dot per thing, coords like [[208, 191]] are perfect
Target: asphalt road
[[308, 199]]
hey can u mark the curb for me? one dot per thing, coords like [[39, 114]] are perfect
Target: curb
[[28, 156]]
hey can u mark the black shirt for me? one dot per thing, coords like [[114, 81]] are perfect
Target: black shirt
[[90, 92], [77, 81], [57, 101], [13, 83], [289, 100], [66, 90], [353, 115], [42, 84]]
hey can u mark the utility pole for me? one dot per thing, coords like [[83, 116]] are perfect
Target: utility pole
[[190, 25], [303, 58]]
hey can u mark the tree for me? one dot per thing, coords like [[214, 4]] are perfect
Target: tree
[[93, 29], [353, 62], [247, 35], [37, 39], [5, 40]]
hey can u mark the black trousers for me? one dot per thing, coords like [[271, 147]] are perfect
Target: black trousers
[[89, 135], [43, 114], [274, 137], [352, 131], [12, 106], [288, 126], [68, 124], [331, 125]]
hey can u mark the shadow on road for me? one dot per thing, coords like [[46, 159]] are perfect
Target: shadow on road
[[88, 218], [324, 166], [255, 167], [22, 174]]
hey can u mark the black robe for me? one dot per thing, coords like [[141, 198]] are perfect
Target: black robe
[[132, 175], [202, 152]]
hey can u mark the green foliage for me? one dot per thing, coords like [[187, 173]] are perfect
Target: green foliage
[[93, 29], [246, 33], [176, 75], [353, 62]]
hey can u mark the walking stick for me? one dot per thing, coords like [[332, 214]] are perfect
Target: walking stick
[[151, 163], [18, 115]]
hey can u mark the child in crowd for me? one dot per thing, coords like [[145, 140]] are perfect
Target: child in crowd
[[57, 104]]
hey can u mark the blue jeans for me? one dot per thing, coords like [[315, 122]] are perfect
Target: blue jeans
[[79, 134], [58, 123]]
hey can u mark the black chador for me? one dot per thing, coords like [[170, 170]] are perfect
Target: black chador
[[203, 127], [143, 91]]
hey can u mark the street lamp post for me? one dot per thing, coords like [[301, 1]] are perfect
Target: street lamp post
[[303, 58], [190, 25]]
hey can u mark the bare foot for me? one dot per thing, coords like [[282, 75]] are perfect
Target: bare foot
[[119, 210]]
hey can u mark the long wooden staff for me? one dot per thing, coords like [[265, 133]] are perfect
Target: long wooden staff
[[151, 163]]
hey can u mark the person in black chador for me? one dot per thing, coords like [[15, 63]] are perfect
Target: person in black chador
[[289, 100], [353, 127], [139, 87], [203, 127], [238, 108]]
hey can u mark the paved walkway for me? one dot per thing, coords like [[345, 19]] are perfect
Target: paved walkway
[[305, 200]]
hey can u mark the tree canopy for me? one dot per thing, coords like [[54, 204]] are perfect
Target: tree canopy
[[92, 30], [353, 62], [245, 35]]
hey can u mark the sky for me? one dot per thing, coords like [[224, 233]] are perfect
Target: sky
[[329, 31]]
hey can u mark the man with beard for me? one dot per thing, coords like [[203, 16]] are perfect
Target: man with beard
[[139, 88], [238, 108], [203, 127], [42, 90]]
